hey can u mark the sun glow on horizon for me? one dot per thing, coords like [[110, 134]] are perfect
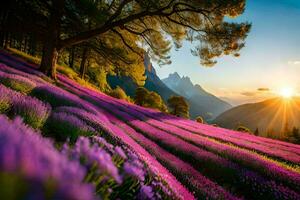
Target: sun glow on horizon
[[287, 92]]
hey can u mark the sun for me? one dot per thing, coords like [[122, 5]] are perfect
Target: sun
[[287, 92]]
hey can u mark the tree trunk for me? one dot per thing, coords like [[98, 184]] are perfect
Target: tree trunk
[[2, 38], [49, 59], [25, 44], [83, 62], [12, 40], [32, 45], [3, 24], [7, 40], [71, 57], [51, 43]]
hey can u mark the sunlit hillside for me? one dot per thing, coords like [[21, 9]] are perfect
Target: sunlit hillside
[[274, 117]]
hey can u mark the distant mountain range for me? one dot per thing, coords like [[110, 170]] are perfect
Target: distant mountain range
[[201, 102], [273, 116]]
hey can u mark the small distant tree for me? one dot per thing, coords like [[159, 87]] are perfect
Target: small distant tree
[[295, 135], [141, 94], [244, 129], [286, 129], [149, 99], [200, 119], [256, 132], [270, 133], [179, 106], [154, 100], [119, 93], [295, 132]]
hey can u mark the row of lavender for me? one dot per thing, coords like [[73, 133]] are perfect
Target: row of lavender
[[225, 164], [93, 167]]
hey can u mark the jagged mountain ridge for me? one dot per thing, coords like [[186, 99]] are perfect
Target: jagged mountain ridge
[[205, 105], [201, 102]]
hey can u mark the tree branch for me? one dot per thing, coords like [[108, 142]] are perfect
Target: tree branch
[[125, 43], [107, 26]]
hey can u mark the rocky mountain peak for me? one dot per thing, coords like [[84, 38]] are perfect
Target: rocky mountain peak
[[187, 81], [148, 65], [174, 76]]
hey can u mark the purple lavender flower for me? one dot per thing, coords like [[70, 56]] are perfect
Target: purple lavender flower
[[37, 78], [96, 121], [17, 82], [62, 126], [94, 154], [25, 154], [134, 170], [145, 193], [59, 97], [33, 111], [102, 142], [120, 152], [5, 101]]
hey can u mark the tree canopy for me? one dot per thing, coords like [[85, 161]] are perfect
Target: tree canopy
[[150, 99], [200, 120], [153, 25], [178, 106]]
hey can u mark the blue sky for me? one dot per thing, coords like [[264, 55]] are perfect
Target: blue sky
[[271, 58]]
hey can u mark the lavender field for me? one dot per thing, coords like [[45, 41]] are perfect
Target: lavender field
[[66, 141]]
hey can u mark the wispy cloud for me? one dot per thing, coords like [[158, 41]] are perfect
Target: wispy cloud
[[256, 92], [248, 94], [263, 89], [294, 62]]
